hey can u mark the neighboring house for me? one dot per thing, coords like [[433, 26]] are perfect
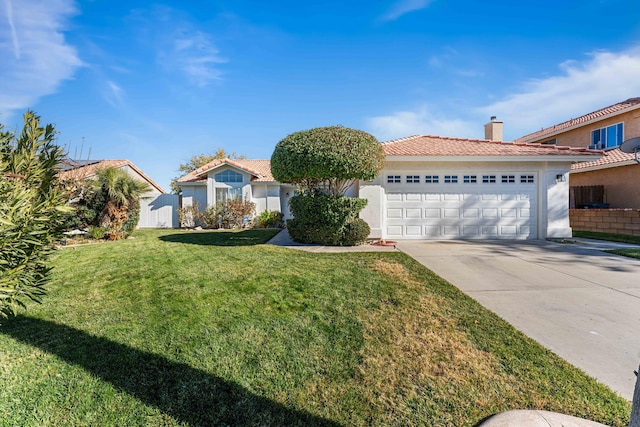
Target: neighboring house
[[430, 188], [157, 208], [222, 179], [617, 173]]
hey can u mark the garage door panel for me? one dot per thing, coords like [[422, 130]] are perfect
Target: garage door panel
[[394, 213], [411, 213], [432, 213], [451, 212]]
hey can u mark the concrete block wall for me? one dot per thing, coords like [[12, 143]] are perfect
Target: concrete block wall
[[617, 221]]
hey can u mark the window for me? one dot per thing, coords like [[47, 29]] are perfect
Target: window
[[229, 176], [508, 179], [431, 179], [413, 179], [393, 179], [488, 179], [470, 179], [553, 141], [451, 179], [526, 179], [608, 137], [224, 194]]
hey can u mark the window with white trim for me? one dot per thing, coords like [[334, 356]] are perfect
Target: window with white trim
[[229, 176], [470, 179], [451, 179], [608, 137], [526, 179], [431, 179], [488, 179], [413, 179], [393, 179], [508, 179], [224, 194]]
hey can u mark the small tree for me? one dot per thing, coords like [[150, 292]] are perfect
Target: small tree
[[122, 194], [327, 158], [324, 163], [32, 206]]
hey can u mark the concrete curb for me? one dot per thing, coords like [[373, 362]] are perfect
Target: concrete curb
[[535, 418]]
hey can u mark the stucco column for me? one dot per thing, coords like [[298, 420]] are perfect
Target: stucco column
[[557, 212], [373, 212]]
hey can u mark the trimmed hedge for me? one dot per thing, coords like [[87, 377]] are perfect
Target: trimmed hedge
[[327, 220]]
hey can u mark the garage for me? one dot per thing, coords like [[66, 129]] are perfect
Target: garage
[[483, 205], [434, 187]]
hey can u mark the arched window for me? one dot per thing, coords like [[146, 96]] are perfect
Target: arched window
[[228, 176]]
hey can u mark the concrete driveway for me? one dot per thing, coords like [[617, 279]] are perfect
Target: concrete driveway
[[574, 299]]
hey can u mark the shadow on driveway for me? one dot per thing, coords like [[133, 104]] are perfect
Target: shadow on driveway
[[189, 395]]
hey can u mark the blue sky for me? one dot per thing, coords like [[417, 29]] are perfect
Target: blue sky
[[157, 82]]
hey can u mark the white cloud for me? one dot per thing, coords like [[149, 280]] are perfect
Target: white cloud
[[181, 47], [113, 94], [421, 122], [35, 56], [579, 87], [603, 79], [402, 7]]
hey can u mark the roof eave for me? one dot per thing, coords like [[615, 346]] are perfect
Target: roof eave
[[556, 158], [577, 126], [607, 166], [206, 171]]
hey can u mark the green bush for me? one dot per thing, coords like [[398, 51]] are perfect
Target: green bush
[[321, 218], [270, 219], [32, 207], [97, 233], [356, 232]]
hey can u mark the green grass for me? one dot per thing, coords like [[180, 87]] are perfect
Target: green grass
[[216, 328], [631, 253], [622, 238]]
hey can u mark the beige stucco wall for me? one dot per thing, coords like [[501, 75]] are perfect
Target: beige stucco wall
[[621, 184], [581, 137]]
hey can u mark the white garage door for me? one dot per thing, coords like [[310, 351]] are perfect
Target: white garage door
[[461, 206]]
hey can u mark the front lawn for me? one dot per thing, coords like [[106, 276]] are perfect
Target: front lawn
[[216, 328]]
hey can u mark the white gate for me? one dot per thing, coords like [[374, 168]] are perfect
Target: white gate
[[159, 212]]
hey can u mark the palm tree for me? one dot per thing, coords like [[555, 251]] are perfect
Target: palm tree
[[122, 193]]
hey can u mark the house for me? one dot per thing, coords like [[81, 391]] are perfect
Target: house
[[157, 208], [222, 179], [617, 173], [431, 187]]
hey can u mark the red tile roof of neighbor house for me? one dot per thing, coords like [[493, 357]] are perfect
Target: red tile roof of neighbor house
[[87, 170], [259, 169], [611, 158], [427, 145], [618, 108]]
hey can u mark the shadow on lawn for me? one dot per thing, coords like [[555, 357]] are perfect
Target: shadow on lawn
[[189, 395], [222, 238]]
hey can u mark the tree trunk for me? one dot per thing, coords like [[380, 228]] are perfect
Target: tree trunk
[[635, 408]]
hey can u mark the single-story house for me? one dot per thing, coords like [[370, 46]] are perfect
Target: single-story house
[[157, 208], [616, 173], [431, 187]]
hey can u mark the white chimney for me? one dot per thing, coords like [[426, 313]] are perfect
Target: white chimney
[[493, 130]]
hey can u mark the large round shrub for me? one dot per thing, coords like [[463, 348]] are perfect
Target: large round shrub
[[328, 157]]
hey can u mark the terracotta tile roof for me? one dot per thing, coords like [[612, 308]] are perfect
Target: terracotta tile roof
[[260, 169], [618, 108], [611, 158], [427, 145], [89, 169]]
